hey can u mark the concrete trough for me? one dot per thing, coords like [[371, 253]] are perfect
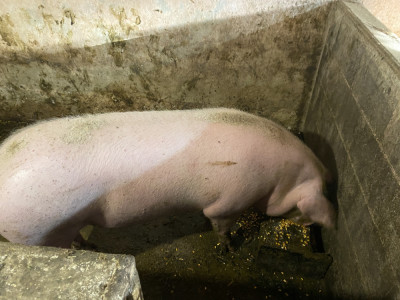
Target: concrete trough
[[326, 68]]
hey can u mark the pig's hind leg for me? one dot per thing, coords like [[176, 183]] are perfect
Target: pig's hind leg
[[37, 229], [40, 236], [62, 237], [222, 228]]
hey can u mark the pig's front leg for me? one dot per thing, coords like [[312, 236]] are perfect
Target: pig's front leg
[[222, 226], [223, 213]]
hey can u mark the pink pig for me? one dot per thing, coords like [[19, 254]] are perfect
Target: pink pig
[[120, 168]]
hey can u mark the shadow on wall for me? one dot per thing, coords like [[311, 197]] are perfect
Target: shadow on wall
[[263, 63], [320, 146]]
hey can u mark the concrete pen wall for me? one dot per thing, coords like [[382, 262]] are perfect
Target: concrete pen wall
[[73, 57], [353, 123]]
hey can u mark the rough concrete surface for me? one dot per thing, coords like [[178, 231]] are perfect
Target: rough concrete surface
[[61, 58], [52, 273], [387, 11], [352, 124]]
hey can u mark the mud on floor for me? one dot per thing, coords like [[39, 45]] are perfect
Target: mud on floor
[[181, 258]]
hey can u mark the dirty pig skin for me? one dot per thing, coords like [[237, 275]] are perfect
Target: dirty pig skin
[[115, 169]]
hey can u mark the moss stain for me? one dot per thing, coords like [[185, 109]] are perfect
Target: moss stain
[[70, 15], [7, 33], [90, 54], [49, 21], [135, 13], [124, 22], [126, 26], [191, 84], [117, 47], [45, 86]]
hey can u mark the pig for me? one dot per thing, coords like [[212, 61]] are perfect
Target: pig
[[121, 168]]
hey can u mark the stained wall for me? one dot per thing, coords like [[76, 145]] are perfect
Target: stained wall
[[71, 57], [353, 124]]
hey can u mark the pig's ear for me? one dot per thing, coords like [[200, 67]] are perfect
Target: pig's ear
[[305, 205]]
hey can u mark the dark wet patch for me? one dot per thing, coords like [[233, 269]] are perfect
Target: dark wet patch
[[179, 258]]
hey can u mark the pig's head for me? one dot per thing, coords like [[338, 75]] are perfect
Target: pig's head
[[313, 205], [306, 204], [315, 208]]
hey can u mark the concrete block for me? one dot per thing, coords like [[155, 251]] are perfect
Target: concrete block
[[370, 87], [345, 47], [316, 112], [313, 99], [388, 225], [311, 113], [326, 125], [337, 93], [391, 138], [334, 26], [373, 170], [376, 274], [358, 138], [52, 273], [348, 189]]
